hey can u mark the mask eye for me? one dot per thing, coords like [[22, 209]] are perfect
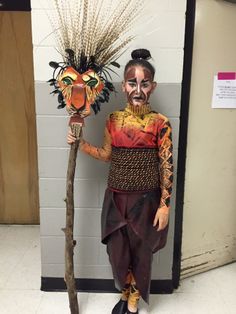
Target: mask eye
[[67, 80], [92, 82]]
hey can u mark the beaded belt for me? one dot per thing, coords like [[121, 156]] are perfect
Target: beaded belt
[[133, 169]]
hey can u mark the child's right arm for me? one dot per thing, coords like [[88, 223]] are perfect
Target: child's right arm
[[101, 153]]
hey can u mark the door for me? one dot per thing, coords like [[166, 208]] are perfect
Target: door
[[19, 201]]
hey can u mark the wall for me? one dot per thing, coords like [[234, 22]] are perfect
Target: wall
[[162, 31], [209, 223]]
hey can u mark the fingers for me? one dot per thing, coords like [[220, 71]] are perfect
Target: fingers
[[70, 138], [162, 224], [156, 219], [160, 220]]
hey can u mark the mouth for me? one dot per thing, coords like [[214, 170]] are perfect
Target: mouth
[[138, 98]]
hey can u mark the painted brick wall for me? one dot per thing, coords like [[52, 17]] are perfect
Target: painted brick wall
[[161, 30]]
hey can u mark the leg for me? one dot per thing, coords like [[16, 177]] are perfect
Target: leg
[[126, 290], [118, 247], [141, 263], [134, 297], [121, 306], [119, 254]]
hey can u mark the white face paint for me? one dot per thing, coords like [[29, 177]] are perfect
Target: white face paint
[[138, 85]]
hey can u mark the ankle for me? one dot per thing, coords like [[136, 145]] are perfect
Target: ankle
[[125, 292], [132, 308], [133, 299], [124, 298], [132, 312]]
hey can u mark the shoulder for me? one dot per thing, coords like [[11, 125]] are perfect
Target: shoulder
[[116, 115], [160, 118]]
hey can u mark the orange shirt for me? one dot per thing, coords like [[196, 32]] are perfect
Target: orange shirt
[[139, 128]]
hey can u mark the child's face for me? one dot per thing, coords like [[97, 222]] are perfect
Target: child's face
[[138, 85]]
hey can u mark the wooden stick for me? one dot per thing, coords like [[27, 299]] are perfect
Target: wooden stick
[[69, 237]]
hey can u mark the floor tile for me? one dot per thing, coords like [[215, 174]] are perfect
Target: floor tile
[[27, 271], [57, 303], [19, 301], [101, 303], [212, 292]]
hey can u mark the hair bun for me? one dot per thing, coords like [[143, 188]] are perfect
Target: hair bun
[[141, 54]]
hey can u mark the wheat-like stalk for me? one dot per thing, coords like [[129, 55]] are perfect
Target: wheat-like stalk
[[94, 27]]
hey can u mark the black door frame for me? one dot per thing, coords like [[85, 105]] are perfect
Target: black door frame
[[183, 131], [14, 5]]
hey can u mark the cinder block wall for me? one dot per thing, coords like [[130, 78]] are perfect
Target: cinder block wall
[[161, 30]]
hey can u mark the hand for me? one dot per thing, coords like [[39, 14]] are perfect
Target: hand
[[162, 216], [70, 137]]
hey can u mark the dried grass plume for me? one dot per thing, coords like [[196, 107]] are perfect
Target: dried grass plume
[[97, 28]]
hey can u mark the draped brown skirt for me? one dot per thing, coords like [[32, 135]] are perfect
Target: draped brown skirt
[[131, 239]]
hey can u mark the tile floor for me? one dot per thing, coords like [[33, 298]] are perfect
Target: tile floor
[[213, 292]]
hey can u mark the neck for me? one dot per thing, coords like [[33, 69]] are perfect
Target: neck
[[138, 110]]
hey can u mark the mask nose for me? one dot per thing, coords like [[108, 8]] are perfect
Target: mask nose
[[78, 88]]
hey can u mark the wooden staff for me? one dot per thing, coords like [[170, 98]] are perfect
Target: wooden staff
[[69, 230]]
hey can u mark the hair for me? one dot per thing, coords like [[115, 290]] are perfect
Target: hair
[[140, 57]]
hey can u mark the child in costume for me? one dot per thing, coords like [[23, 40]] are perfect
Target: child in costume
[[136, 207]]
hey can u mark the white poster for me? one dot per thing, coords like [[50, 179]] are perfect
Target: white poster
[[224, 90]]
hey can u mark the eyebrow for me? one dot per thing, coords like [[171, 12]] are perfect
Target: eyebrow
[[134, 80]]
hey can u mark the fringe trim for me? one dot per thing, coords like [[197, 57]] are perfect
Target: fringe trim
[[138, 110]]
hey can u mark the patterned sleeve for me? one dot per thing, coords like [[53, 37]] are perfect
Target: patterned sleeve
[[165, 151], [102, 153]]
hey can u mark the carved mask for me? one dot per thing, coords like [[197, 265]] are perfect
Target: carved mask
[[80, 90]]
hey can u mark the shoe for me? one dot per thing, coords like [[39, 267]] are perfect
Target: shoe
[[128, 312], [120, 307]]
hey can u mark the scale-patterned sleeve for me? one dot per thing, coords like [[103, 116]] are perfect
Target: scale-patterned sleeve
[[165, 152], [102, 153]]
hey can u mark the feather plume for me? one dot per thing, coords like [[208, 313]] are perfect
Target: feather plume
[[91, 34], [93, 28]]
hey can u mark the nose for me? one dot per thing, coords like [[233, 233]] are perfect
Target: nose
[[78, 88], [138, 89]]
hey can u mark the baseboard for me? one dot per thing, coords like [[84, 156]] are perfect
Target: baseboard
[[101, 285]]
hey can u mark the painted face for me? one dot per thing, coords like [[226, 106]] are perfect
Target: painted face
[[80, 90], [138, 85]]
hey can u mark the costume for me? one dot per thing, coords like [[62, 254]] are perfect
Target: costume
[[137, 187], [90, 36]]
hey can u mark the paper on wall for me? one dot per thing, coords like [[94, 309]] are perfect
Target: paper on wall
[[224, 90]]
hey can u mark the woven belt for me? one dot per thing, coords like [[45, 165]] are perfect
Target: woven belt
[[133, 169]]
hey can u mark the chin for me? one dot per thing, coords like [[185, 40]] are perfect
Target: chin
[[137, 103]]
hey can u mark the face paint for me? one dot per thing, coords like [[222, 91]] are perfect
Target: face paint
[[138, 85], [80, 90]]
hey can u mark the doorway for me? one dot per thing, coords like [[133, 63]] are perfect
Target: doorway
[[19, 200]]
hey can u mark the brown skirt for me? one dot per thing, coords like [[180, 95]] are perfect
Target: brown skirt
[[127, 229]]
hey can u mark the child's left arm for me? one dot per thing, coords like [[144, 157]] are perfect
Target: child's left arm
[[165, 151]]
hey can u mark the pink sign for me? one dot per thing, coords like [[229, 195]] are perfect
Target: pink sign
[[227, 76]]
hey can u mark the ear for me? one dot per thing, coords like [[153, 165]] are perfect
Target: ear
[[123, 87], [154, 85]]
